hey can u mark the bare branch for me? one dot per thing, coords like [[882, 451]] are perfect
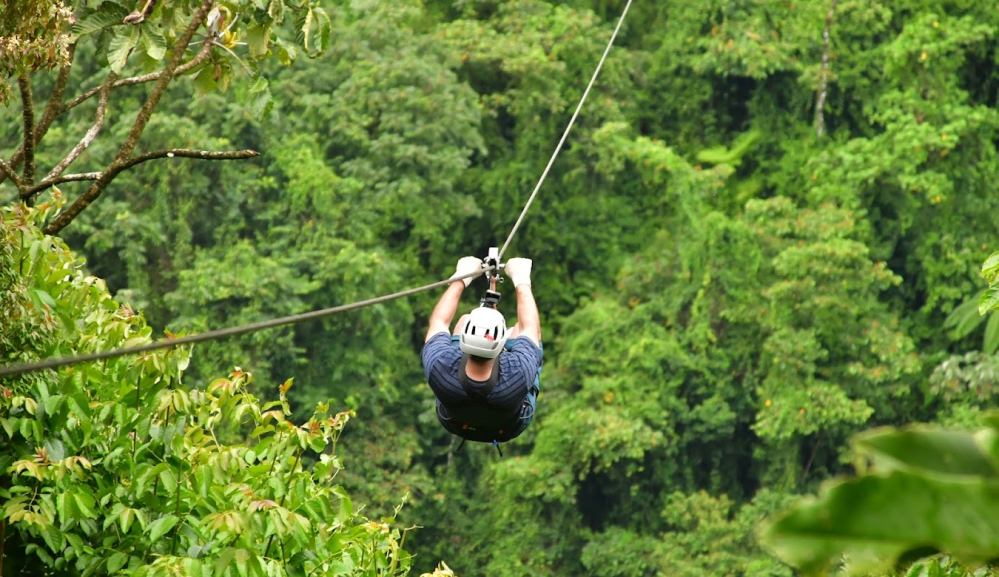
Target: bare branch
[[824, 77], [67, 216], [171, 153], [28, 115], [188, 153], [61, 179], [10, 173], [182, 69], [92, 132], [54, 106], [52, 109]]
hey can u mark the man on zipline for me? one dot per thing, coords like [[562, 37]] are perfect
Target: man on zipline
[[485, 376]]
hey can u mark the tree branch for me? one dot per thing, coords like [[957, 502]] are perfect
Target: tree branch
[[28, 116], [61, 179], [67, 216], [171, 153], [9, 172], [52, 109], [824, 77], [89, 137], [188, 153], [182, 69]]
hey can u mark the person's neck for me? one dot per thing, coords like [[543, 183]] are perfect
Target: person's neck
[[479, 370]]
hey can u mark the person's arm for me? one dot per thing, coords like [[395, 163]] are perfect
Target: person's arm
[[528, 320], [440, 319]]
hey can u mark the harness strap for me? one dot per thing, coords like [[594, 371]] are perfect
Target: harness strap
[[479, 395]]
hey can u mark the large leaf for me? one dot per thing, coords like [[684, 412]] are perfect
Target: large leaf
[[990, 343], [929, 451], [258, 39], [109, 14], [153, 42], [874, 521], [119, 49], [963, 319], [161, 526]]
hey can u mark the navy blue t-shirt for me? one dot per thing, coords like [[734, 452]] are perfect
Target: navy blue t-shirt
[[519, 367]]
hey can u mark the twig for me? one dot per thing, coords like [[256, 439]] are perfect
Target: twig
[[141, 120], [91, 134], [28, 116], [182, 69], [824, 77], [811, 458], [3, 538], [138, 16]]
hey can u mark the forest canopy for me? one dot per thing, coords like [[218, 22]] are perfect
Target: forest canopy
[[765, 262]]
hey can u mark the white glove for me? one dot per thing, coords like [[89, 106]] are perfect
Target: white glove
[[467, 265], [519, 271]]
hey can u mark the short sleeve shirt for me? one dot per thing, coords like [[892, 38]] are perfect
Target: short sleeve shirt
[[519, 366]]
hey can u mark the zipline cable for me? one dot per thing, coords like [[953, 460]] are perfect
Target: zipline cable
[[565, 134], [55, 362]]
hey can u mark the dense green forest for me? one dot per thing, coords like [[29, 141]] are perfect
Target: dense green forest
[[765, 235]]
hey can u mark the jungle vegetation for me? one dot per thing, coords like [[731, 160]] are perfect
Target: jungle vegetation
[[765, 262]]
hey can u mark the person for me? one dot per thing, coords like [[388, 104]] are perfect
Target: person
[[486, 376]]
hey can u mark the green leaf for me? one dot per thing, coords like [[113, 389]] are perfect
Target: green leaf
[[963, 319], [121, 46], [203, 479], [932, 451], [126, 520], [204, 82], [276, 10], [307, 29], [85, 504], [875, 520], [55, 449], [54, 538], [168, 480], [990, 268], [109, 14], [263, 103], [45, 297], [116, 562], [153, 42], [324, 30], [224, 560], [258, 40], [161, 526], [990, 342], [989, 300], [287, 53]]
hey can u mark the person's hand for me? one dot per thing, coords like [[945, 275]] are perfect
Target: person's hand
[[467, 265], [519, 271]]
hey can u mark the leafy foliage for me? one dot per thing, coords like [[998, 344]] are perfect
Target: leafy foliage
[[115, 468], [727, 297], [917, 489]]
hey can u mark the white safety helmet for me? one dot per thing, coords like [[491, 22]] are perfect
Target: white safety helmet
[[484, 333]]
